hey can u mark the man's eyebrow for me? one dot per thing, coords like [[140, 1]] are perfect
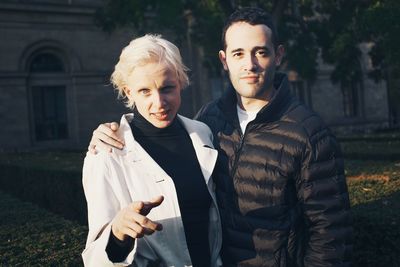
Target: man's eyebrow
[[236, 50], [261, 48]]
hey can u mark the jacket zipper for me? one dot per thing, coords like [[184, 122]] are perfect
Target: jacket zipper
[[239, 149], [238, 152]]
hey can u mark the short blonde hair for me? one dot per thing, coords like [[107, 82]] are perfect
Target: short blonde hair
[[147, 49]]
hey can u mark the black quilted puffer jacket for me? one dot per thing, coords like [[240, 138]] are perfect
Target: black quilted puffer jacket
[[280, 185]]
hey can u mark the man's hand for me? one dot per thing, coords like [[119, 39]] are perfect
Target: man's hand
[[132, 221], [105, 138]]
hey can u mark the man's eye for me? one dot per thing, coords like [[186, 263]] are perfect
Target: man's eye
[[237, 54], [262, 53], [167, 89]]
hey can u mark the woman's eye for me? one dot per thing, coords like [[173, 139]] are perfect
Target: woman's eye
[[144, 91]]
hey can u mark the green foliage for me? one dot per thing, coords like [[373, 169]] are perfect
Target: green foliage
[[380, 24], [30, 236], [201, 22], [337, 27], [198, 21], [300, 44], [357, 167], [372, 150], [339, 39], [49, 160], [51, 180], [346, 23]]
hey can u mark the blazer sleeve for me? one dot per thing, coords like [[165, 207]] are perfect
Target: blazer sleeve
[[103, 205], [325, 203]]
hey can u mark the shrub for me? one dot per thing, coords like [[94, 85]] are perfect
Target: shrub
[[31, 236], [58, 191]]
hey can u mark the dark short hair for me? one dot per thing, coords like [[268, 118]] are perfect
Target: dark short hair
[[252, 16]]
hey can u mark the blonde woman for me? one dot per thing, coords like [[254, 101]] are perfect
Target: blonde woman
[[152, 203]]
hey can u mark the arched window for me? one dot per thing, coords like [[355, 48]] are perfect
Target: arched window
[[46, 62], [48, 97]]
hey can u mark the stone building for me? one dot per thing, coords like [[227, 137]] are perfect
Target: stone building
[[361, 108], [55, 65]]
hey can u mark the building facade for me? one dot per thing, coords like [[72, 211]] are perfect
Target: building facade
[[359, 108], [54, 69]]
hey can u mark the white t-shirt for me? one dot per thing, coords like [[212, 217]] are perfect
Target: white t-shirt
[[246, 116]]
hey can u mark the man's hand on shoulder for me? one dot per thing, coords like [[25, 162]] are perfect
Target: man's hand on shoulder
[[104, 138]]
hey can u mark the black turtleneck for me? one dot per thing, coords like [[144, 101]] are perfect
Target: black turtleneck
[[172, 149]]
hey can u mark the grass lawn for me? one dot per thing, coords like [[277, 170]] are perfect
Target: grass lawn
[[371, 180], [373, 175], [32, 236]]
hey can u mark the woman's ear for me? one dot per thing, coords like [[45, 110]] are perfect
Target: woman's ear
[[127, 91]]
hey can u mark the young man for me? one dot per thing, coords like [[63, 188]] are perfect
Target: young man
[[280, 181]]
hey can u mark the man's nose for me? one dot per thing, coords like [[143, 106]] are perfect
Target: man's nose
[[250, 63]]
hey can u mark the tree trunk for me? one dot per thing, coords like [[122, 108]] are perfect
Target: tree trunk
[[393, 91]]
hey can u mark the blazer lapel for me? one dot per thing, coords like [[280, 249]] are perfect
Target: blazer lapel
[[206, 154], [134, 154]]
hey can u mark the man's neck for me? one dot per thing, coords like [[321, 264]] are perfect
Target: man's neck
[[257, 103]]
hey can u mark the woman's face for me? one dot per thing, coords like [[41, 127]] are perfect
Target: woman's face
[[156, 92]]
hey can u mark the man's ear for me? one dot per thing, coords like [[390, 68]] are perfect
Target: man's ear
[[279, 53], [222, 58]]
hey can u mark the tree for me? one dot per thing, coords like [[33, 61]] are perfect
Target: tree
[[380, 25], [333, 27], [196, 26], [343, 25]]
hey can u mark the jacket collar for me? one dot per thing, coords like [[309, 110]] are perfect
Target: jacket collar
[[202, 143], [268, 113], [206, 155]]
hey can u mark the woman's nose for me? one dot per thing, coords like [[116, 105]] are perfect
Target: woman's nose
[[159, 100]]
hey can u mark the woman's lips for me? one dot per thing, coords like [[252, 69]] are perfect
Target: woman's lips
[[160, 115]]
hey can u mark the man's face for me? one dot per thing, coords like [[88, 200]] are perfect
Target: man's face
[[156, 92], [250, 59]]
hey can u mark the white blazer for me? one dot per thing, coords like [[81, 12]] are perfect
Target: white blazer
[[112, 181]]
